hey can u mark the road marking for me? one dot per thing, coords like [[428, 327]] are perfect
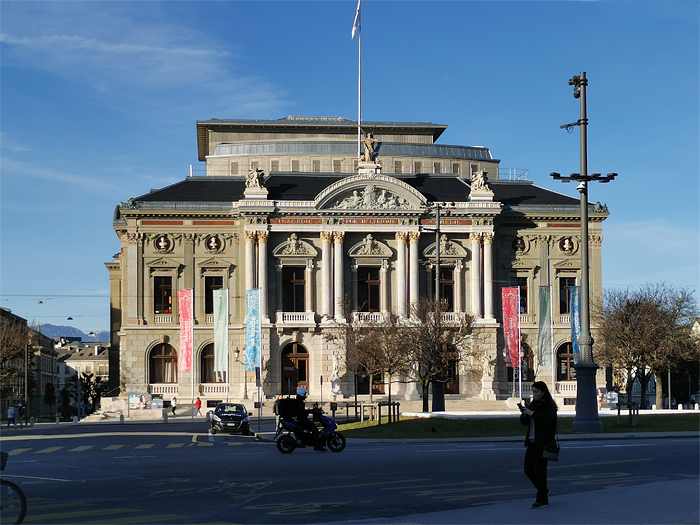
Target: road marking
[[18, 451], [438, 492], [472, 496], [48, 450], [113, 447], [43, 478], [79, 514], [166, 518], [333, 487], [144, 446], [54, 506], [231, 444], [81, 448], [205, 444], [617, 462], [175, 445]]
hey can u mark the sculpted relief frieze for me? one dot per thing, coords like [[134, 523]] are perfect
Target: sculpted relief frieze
[[372, 198]]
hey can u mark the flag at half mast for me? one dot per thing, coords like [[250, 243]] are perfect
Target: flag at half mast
[[356, 23]]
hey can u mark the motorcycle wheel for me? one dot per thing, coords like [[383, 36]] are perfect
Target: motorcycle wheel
[[286, 444], [336, 442]]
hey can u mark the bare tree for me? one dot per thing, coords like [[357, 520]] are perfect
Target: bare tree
[[436, 344], [645, 332], [15, 337]]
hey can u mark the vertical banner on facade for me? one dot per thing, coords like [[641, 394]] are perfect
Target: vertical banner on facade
[[252, 330], [575, 310], [544, 334], [221, 330], [511, 325], [184, 300]]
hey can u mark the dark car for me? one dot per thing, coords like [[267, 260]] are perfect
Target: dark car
[[230, 417]]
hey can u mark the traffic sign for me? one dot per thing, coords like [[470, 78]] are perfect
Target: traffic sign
[[288, 368]]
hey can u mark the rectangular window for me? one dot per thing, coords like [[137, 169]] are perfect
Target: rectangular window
[[520, 282], [455, 168], [565, 284], [437, 167], [473, 168], [211, 283], [397, 167], [417, 166], [162, 295], [274, 165], [368, 289], [295, 165], [447, 285], [234, 168], [336, 166], [293, 287], [317, 166]]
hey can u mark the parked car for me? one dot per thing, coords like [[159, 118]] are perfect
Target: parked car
[[230, 417]]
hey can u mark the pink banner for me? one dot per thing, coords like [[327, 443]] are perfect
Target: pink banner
[[184, 299], [511, 325]]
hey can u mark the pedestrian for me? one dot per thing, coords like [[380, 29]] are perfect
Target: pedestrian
[[540, 417], [276, 408], [173, 405], [19, 415], [198, 406], [11, 411]]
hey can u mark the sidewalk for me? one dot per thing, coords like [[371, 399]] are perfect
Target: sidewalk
[[664, 502]]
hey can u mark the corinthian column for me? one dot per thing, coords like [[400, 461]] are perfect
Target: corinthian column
[[262, 273], [459, 286], [250, 260], [488, 275], [401, 273], [338, 275], [413, 290], [476, 274], [326, 285]]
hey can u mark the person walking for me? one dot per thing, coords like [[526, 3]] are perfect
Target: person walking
[[540, 417], [173, 405], [198, 406], [11, 412], [19, 416]]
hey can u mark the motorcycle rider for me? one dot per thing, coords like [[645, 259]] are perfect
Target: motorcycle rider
[[302, 414]]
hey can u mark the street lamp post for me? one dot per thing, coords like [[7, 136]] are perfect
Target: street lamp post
[[587, 418]]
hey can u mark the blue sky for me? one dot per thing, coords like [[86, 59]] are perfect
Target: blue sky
[[99, 102]]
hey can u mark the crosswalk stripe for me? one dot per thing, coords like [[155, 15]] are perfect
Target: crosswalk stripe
[[55, 506], [113, 447], [234, 444], [175, 445], [17, 451], [78, 514], [167, 518], [48, 450], [82, 448], [205, 444], [147, 445]]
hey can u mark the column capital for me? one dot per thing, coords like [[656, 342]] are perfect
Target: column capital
[[326, 237], [338, 237], [413, 237], [476, 237], [262, 236], [487, 237], [250, 237], [401, 237]]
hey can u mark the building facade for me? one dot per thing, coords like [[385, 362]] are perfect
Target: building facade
[[331, 236]]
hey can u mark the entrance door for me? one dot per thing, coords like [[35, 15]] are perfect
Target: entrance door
[[299, 358]]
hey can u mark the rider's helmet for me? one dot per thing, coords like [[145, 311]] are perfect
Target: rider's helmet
[[302, 392]]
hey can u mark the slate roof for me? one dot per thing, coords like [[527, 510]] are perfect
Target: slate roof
[[306, 186]]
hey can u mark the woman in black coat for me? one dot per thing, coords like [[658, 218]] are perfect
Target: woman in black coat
[[541, 421]]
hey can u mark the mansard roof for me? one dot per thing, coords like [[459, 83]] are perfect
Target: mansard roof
[[306, 186]]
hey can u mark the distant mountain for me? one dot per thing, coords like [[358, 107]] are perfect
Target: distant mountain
[[52, 330]]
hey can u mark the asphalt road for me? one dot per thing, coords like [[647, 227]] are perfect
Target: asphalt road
[[155, 473]]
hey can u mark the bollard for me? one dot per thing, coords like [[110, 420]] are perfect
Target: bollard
[[75, 420], [680, 406], [58, 419], [32, 421], [165, 417], [121, 419]]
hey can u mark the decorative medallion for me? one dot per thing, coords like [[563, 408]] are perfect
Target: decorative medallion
[[213, 243], [163, 244]]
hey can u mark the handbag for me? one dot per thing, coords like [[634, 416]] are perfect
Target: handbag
[[551, 452]]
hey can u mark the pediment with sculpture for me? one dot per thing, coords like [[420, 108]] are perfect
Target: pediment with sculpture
[[370, 247], [294, 247], [371, 193], [449, 249]]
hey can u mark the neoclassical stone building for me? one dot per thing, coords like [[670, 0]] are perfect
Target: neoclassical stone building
[[290, 208]]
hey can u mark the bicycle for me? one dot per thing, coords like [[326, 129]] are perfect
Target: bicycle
[[13, 503]]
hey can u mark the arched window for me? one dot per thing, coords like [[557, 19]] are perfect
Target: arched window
[[565, 363], [298, 356], [206, 362], [162, 364]]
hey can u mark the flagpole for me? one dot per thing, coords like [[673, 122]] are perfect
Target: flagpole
[[359, 89], [551, 324]]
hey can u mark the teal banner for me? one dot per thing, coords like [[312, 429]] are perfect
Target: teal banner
[[544, 334], [221, 330], [252, 330]]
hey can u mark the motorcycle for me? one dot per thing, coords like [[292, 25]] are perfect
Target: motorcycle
[[295, 436]]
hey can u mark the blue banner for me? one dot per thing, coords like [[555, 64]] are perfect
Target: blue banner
[[575, 311], [252, 330]]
